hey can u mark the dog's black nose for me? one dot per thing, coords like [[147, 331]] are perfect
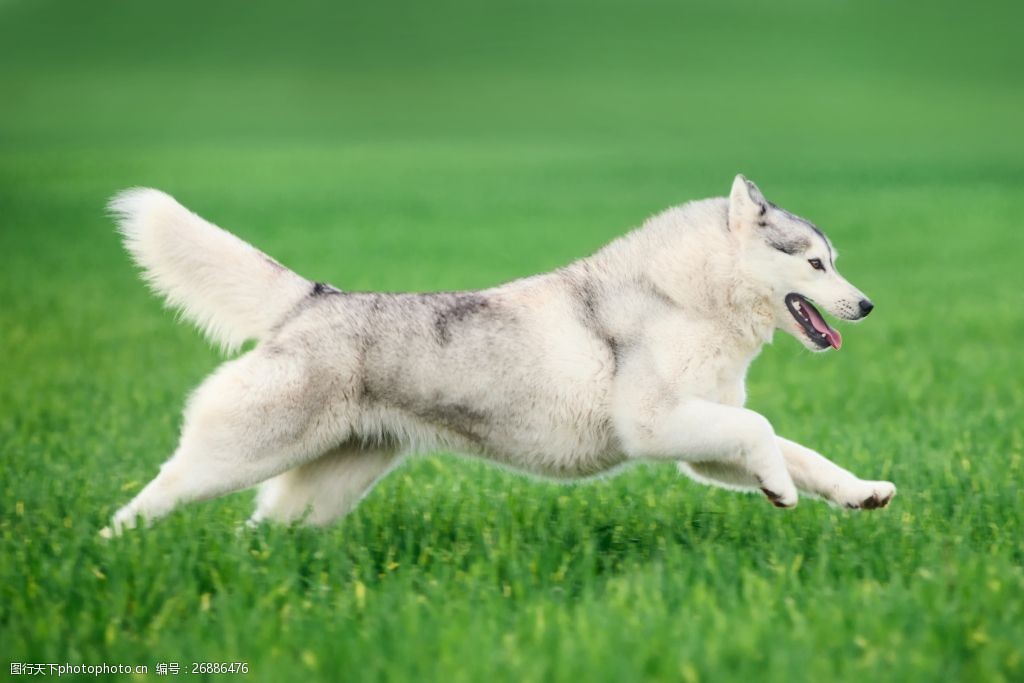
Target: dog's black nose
[[866, 307]]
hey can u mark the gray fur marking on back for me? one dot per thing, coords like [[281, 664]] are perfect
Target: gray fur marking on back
[[587, 303], [454, 308]]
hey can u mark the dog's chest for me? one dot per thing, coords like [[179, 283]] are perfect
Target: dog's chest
[[731, 390], [697, 360]]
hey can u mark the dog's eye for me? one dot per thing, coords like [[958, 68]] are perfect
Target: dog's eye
[[816, 264]]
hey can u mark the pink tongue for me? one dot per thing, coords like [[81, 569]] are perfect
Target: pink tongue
[[833, 336]]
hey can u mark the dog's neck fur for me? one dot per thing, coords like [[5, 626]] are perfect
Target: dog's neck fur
[[689, 255]]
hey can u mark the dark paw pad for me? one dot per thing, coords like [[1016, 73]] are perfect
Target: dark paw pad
[[775, 498], [873, 502]]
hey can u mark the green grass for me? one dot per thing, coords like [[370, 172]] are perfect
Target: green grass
[[456, 145]]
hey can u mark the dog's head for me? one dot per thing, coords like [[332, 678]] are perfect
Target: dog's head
[[794, 263]]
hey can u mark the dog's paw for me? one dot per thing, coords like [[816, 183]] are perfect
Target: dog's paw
[[781, 494], [871, 495], [779, 500]]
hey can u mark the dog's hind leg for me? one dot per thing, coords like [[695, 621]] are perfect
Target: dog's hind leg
[[254, 418], [324, 490]]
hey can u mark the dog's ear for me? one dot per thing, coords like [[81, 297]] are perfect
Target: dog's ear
[[746, 204]]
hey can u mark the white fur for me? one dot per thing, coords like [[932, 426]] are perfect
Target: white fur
[[230, 290], [639, 352]]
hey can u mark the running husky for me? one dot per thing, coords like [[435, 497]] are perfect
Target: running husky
[[638, 352]]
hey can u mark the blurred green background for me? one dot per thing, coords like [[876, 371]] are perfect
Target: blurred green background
[[413, 146]]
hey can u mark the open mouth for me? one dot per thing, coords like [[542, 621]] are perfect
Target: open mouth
[[813, 325]]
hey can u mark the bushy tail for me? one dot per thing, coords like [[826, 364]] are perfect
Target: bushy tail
[[228, 288]]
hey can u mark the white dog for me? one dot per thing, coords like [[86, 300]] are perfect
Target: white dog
[[638, 352]]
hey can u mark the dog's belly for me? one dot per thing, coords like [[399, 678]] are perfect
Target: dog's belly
[[549, 447]]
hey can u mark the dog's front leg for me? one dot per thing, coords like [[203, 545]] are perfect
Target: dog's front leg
[[701, 431], [817, 475]]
